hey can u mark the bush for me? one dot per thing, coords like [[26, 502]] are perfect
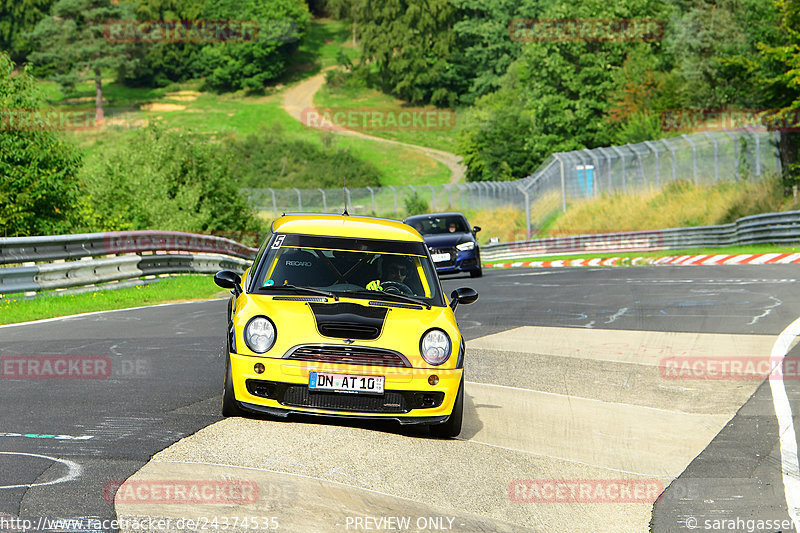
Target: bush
[[269, 159], [165, 181], [415, 205], [251, 65], [39, 185]]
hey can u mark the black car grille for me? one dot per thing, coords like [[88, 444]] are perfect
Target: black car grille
[[450, 262], [347, 355], [300, 396], [390, 402]]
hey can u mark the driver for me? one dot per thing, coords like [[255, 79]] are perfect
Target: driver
[[395, 270]]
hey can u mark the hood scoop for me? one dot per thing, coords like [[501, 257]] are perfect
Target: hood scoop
[[348, 320]]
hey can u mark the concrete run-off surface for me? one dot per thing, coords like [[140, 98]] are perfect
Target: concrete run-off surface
[[544, 407]]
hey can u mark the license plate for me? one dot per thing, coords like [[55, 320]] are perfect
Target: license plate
[[438, 258], [345, 383]]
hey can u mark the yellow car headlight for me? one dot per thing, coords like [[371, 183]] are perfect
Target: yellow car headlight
[[435, 347], [259, 334]]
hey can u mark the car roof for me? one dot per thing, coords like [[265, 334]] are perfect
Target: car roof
[[345, 226], [443, 214]]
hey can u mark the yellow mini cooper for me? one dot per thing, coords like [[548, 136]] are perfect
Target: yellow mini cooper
[[344, 316]]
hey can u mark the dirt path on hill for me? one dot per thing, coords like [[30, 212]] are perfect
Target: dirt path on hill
[[300, 97]]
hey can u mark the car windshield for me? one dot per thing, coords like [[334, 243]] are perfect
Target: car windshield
[[347, 266], [439, 224]]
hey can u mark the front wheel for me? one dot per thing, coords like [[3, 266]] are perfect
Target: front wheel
[[230, 407], [451, 428]]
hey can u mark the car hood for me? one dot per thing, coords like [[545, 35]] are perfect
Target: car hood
[[446, 240]]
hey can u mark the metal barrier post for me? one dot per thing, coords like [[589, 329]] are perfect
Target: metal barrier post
[[622, 157], [694, 156], [563, 184], [652, 147], [716, 156]]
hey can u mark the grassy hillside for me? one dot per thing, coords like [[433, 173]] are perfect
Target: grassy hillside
[[678, 204], [183, 106]]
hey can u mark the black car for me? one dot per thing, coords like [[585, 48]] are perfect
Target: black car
[[452, 243]]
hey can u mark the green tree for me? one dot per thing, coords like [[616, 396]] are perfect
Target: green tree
[[409, 42], [166, 181], [39, 187], [777, 77], [72, 46], [251, 65], [162, 63], [17, 17], [555, 97]]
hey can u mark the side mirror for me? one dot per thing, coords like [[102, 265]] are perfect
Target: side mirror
[[463, 295], [228, 279], [476, 229]]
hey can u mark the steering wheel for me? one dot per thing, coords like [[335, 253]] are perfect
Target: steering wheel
[[395, 287]]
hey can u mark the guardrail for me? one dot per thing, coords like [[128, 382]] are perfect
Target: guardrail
[[144, 253], [770, 228], [49, 248], [147, 253]]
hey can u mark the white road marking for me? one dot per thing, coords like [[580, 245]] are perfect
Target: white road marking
[[74, 470], [617, 315], [790, 466], [767, 310], [81, 315]]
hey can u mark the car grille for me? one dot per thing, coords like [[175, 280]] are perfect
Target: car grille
[[300, 396], [390, 402], [347, 355], [450, 262]]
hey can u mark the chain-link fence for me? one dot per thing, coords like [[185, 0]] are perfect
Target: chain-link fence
[[702, 158]]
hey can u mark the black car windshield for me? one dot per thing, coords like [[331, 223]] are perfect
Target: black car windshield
[[348, 266], [435, 225]]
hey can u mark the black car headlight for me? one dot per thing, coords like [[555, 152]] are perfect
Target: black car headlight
[[259, 334], [466, 246], [435, 347]]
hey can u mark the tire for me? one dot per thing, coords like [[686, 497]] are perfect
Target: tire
[[451, 428], [476, 273], [230, 407]]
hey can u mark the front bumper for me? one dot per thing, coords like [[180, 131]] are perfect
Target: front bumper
[[465, 262], [283, 388]]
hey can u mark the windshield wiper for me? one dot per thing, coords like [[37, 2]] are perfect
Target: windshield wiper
[[303, 288], [402, 297]]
